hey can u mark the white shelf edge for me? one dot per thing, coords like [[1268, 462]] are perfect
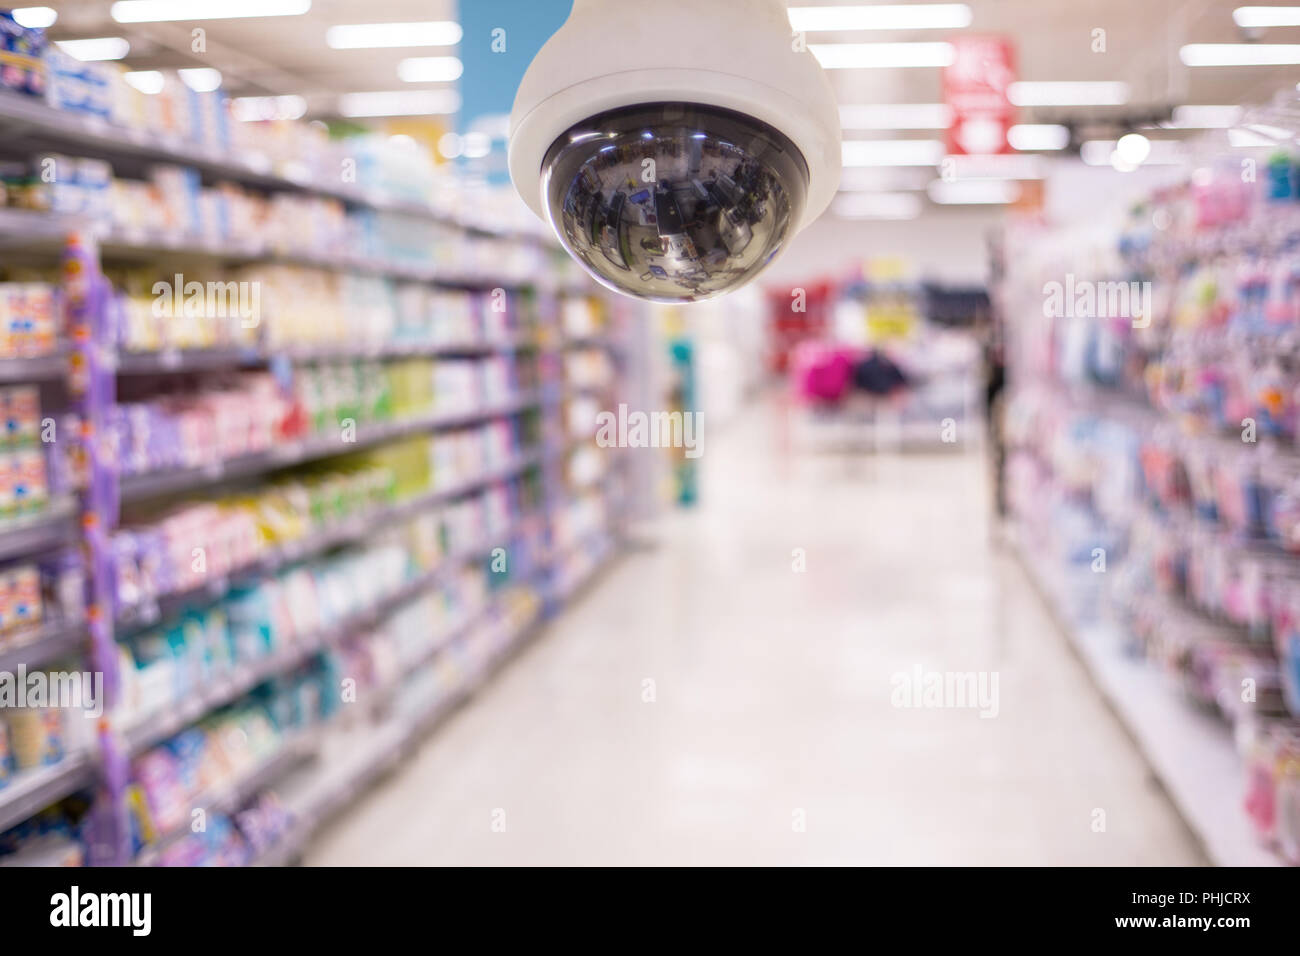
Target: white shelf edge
[[1191, 753]]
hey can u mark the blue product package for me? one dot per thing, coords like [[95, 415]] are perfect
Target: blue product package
[[189, 748], [183, 643], [1281, 178]]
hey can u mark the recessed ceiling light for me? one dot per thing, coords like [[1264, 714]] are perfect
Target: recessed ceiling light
[[976, 192], [1240, 54], [98, 48], [201, 79], [1249, 18], [877, 206], [865, 56], [1248, 139], [919, 16], [34, 18], [994, 167], [363, 36], [1133, 149], [892, 152], [880, 179], [1038, 136], [146, 81], [430, 69], [160, 11], [896, 116], [1205, 117], [1068, 93], [1159, 152], [399, 103]]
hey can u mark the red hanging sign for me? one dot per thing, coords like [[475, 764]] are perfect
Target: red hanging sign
[[975, 88]]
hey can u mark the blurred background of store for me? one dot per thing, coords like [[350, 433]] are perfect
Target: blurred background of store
[[308, 435]]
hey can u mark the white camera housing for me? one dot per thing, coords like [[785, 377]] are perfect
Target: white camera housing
[[736, 59]]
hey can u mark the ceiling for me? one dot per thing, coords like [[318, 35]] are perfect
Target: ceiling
[[1053, 39]]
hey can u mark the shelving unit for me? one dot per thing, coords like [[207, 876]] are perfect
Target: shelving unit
[[1127, 439], [1191, 753], [339, 761]]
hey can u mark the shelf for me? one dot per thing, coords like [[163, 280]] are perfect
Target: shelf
[[1192, 753], [230, 797], [37, 533], [130, 245], [149, 730], [26, 228], [193, 360], [156, 484], [33, 119], [591, 342], [354, 528], [353, 759], [155, 729], [46, 644], [41, 368], [31, 791]]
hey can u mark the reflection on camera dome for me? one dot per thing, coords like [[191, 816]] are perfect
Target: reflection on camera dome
[[674, 203]]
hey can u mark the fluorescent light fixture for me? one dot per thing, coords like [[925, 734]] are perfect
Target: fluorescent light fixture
[[159, 11], [977, 192], [1248, 139], [1105, 152], [1278, 133], [1240, 54], [894, 56], [34, 18], [1096, 152], [146, 81], [1068, 93], [877, 206], [373, 36], [1205, 117], [995, 167], [399, 103], [1036, 136], [881, 179], [99, 48], [896, 116], [249, 109], [1254, 18], [919, 16], [201, 79], [430, 69], [892, 152]]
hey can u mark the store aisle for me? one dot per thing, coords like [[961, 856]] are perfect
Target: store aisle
[[768, 734]]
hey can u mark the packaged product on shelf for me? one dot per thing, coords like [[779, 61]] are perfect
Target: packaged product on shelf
[[7, 765], [77, 187], [29, 319], [87, 89], [21, 410], [22, 57], [580, 316], [54, 837], [245, 415], [36, 735]]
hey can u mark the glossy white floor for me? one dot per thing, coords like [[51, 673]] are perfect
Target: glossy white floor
[[771, 737]]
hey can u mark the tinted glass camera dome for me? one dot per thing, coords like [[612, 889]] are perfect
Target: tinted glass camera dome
[[674, 202]]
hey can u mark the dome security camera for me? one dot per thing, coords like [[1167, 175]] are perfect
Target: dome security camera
[[675, 146]]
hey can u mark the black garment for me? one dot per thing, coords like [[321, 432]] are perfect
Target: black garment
[[878, 375]]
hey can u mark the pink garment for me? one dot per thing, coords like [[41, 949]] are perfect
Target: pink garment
[[821, 372]]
